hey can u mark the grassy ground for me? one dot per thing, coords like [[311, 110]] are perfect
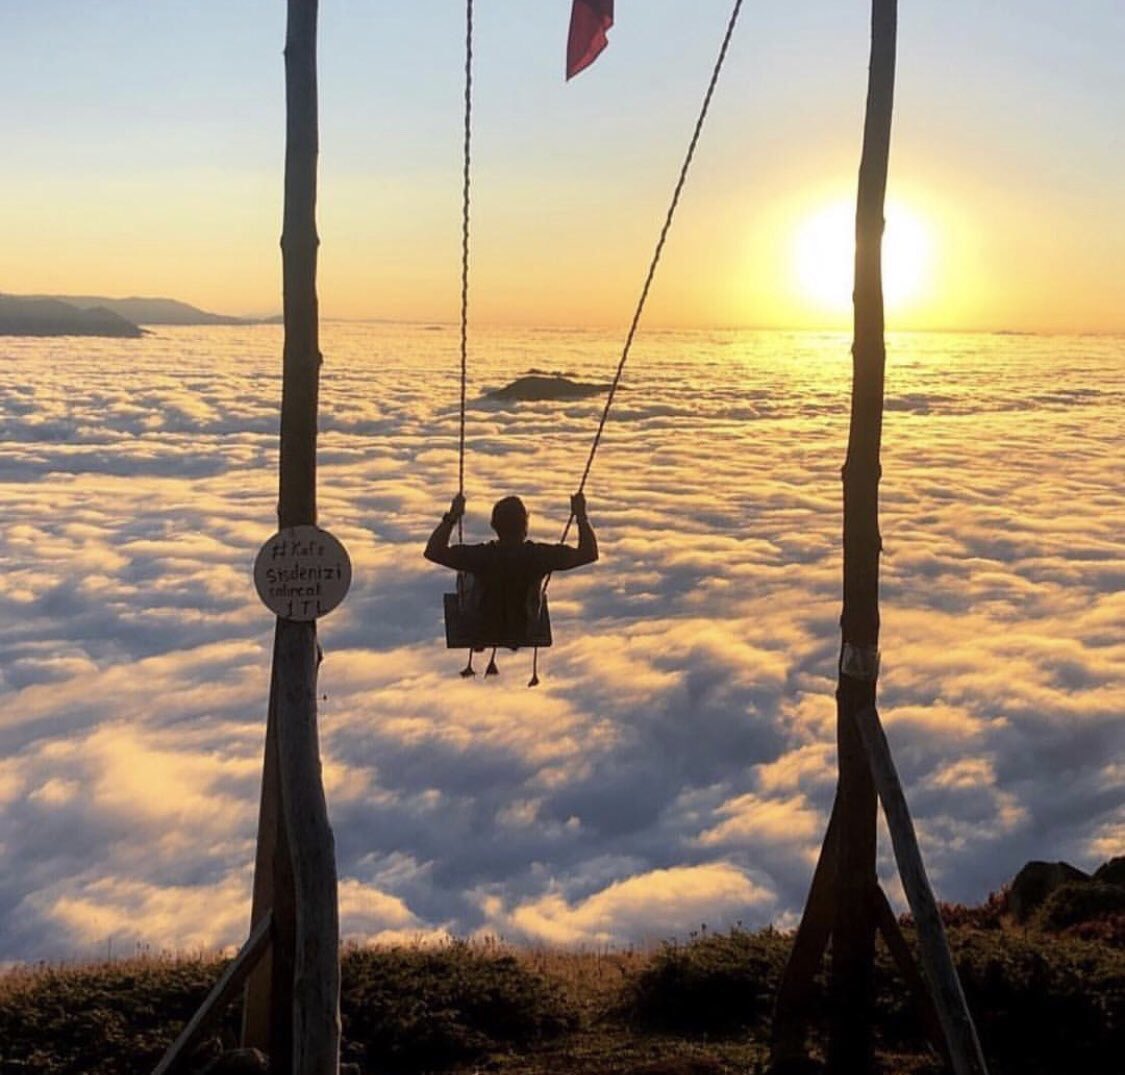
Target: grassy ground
[[1045, 1004]]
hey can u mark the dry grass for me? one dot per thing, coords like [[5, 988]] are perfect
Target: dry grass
[[464, 1008]]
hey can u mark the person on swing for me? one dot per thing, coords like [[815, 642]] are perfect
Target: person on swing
[[507, 574]]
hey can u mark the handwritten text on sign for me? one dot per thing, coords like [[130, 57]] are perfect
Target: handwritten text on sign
[[302, 573]]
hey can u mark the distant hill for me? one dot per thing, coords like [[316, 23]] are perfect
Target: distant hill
[[41, 316], [543, 386], [142, 311]]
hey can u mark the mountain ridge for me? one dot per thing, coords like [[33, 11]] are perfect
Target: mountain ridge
[[149, 310], [45, 316], [97, 315]]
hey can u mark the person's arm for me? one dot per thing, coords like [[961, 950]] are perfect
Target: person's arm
[[565, 557], [587, 541], [438, 550]]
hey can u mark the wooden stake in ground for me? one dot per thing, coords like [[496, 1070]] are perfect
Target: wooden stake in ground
[[268, 999]]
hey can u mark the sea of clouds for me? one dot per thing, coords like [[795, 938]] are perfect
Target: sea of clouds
[[676, 765]]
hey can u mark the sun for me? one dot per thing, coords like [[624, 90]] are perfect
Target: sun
[[824, 257]]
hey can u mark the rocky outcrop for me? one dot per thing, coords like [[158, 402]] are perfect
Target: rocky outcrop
[[1112, 872], [1078, 902], [1056, 896], [1035, 882]]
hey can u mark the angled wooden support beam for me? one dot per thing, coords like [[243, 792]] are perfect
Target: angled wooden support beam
[[267, 1019], [904, 959], [937, 960], [795, 990], [224, 990]]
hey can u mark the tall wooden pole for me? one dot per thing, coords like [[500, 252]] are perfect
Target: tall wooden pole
[[853, 932], [845, 901], [299, 242], [316, 972]]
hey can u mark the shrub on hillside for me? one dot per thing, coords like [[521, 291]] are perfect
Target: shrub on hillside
[[1044, 1005], [987, 915], [719, 983], [1109, 930], [1087, 901], [413, 1009], [85, 1020]]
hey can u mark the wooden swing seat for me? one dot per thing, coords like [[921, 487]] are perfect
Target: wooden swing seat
[[463, 629]]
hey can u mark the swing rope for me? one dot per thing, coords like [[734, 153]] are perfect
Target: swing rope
[[657, 253], [468, 670], [704, 108], [467, 162], [638, 312]]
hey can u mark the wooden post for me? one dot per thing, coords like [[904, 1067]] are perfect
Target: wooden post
[[291, 963], [316, 971], [293, 1003], [864, 757], [853, 933]]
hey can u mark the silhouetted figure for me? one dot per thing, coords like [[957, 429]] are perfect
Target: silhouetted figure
[[503, 587]]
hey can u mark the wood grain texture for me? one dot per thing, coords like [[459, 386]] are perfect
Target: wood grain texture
[[312, 854], [316, 969]]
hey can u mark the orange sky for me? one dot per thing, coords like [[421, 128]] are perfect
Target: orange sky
[[156, 169]]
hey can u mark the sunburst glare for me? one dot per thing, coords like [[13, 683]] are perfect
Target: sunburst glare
[[824, 253]]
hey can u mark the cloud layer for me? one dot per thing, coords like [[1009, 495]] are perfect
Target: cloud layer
[[677, 763]]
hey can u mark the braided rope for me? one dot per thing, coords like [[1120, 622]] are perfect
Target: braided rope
[[704, 108], [467, 162], [657, 253], [465, 207]]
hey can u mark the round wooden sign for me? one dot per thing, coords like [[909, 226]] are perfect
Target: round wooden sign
[[302, 573]]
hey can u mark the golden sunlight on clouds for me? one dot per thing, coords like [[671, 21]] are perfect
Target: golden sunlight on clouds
[[663, 899], [168, 915], [676, 765], [375, 916]]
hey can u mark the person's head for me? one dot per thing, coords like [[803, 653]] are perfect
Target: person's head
[[509, 519]]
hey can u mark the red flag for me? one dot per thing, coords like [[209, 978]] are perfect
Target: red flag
[[589, 21]]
